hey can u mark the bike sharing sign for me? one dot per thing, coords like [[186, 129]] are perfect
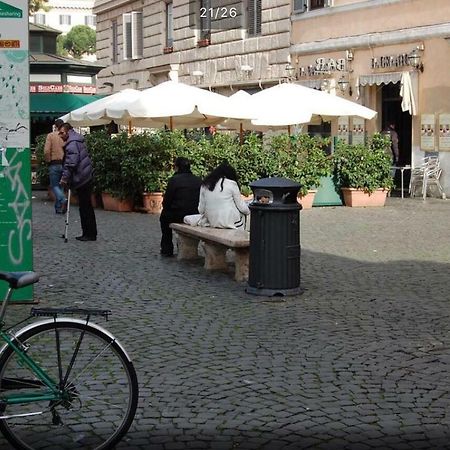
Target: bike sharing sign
[[16, 244]]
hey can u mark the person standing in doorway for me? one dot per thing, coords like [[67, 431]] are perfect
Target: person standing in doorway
[[393, 135], [77, 174], [180, 200], [54, 154]]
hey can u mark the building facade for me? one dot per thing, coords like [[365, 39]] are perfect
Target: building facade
[[63, 15], [223, 45], [57, 84], [389, 55]]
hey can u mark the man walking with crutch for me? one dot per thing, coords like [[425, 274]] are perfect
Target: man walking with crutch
[[77, 174]]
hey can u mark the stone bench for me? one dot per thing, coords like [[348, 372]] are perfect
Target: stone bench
[[216, 243]]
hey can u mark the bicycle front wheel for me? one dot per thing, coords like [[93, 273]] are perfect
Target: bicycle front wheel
[[95, 375]]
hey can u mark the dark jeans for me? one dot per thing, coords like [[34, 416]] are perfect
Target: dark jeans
[[55, 172], [165, 220], [87, 214]]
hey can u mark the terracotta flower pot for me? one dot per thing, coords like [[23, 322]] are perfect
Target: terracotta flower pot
[[357, 197], [111, 203], [152, 202], [307, 200]]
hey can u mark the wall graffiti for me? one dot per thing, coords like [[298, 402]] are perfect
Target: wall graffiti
[[20, 205]]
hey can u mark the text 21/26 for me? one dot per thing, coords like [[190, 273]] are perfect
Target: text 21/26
[[221, 12]]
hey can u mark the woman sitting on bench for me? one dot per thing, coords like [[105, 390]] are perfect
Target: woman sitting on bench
[[221, 203]]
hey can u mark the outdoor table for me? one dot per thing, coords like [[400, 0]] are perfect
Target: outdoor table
[[402, 169]]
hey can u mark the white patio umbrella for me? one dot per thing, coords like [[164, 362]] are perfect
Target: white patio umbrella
[[241, 101], [289, 104], [175, 105], [95, 113]]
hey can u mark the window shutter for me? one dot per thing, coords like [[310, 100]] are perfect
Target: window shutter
[[127, 39], [205, 21], [137, 35], [114, 41], [251, 17], [299, 6], [169, 24], [254, 17], [258, 14]]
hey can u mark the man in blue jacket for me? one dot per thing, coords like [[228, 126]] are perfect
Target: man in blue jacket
[[77, 174]]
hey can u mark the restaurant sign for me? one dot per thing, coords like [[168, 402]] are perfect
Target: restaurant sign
[[323, 65], [39, 88], [382, 62]]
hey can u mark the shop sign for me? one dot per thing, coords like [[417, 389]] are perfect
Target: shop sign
[[323, 65], [358, 131], [427, 134], [343, 129], [62, 88], [9, 43], [444, 132], [10, 12], [383, 62]]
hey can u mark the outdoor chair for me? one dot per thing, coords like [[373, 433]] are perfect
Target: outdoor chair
[[431, 179], [420, 174]]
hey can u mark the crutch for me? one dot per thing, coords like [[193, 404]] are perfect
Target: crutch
[[66, 228]]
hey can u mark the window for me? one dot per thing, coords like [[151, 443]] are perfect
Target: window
[[114, 43], [90, 21], [205, 19], [310, 5], [316, 4], [254, 17], [39, 19], [132, 35], [36, 44], [169, 24], [65, 19]]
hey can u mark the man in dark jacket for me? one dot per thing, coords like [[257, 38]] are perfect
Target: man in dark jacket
[[180, 199], [77, 174]]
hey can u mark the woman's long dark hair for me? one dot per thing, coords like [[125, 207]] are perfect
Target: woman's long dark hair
[[222, 171]]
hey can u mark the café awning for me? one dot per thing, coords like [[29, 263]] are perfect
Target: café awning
[[55, 105]]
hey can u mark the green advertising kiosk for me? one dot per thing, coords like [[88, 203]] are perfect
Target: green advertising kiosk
[[16, 244]]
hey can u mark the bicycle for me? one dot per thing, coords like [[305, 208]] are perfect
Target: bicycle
[[64, 382]]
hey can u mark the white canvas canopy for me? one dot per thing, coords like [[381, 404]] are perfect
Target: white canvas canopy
[[290, 104], [95, 113], [175, 105]]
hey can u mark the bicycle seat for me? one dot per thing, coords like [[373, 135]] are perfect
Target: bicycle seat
[[19, 279]]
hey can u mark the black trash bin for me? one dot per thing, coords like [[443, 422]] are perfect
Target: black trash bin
[[274, 261]]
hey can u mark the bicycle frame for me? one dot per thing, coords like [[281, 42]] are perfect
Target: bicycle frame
[[54, 394]]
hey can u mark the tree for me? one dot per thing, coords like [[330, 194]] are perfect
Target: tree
[[79, 41], [60, 50], [36, 5]]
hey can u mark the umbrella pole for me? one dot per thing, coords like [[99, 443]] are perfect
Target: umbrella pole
[[129, 127], [289, 130], [171, 123], [241, 134]]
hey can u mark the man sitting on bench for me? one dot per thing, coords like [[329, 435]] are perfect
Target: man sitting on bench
[[180, 199]]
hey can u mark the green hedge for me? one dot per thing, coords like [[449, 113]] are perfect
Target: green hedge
[[126, 166]]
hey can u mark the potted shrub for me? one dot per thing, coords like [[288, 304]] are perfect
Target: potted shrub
[[153, 165], [363, 172], [155, 185], [111, 177], [302, 158]]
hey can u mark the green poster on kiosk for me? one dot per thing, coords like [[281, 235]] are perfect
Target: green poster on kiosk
[[16, 244]]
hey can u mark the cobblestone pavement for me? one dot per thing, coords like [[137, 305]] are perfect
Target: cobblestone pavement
[[360, 360]]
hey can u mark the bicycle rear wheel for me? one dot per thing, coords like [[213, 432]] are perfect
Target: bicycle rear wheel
[[100, 390]]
